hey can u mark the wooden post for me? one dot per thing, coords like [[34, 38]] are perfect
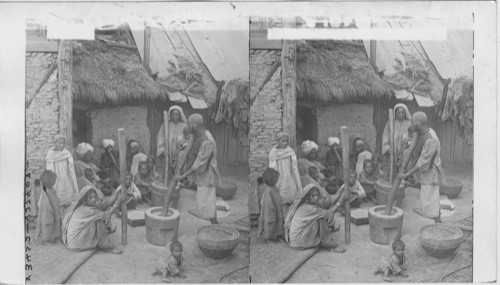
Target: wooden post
[[373, 53], [65, 89], [404, 164], [122, 148], [167, 147], [391, 146], [289, 82], [344, 135], [147, 49]]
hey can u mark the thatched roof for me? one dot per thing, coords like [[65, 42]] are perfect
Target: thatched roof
[[108, 74], [338, 73]]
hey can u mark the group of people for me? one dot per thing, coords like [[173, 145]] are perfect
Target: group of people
[[78, 197], [296, 198]]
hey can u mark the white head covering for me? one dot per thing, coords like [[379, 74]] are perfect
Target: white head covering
[[401, 105], [108, 142], [333, 140], [308, 146], [175, 107], [83, 148]]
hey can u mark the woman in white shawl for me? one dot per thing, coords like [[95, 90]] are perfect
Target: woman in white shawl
[[402, 121], [176, 125], [60, 161], [83, 226], [306, 221], [283, 159]]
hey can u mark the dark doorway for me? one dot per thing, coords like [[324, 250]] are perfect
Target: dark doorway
[[81, 127], [307, 125]]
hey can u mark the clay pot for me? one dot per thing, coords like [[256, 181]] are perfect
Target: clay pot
[[384, 229], [158, 227], [451, 188], [383, 188], [226, 189]]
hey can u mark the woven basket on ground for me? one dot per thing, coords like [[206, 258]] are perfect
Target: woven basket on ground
[[440, 240], [217, 241], [451, 187]]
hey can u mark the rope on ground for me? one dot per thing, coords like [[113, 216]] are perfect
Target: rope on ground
[[232, 272], [454, 271]]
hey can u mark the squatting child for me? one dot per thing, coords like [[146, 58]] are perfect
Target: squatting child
[[133, 194], [394, 263], [368, 178], [357, 192], [143, 180], [172, 265]]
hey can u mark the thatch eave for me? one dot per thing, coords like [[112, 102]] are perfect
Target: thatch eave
[[329, 72]]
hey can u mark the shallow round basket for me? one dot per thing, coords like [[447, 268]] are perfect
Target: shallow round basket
[[440, 240], [217, 241], [451, 187], [226, 189]]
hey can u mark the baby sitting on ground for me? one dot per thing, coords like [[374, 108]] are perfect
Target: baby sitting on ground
[[394, 263], [171, 265]]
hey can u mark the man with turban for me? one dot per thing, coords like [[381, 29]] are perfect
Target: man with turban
[[334, 156], [429, 172], [310, 155], [204, 167], [84, 152], [109, 161]]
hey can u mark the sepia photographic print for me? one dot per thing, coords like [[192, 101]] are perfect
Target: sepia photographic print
[[249, 142]]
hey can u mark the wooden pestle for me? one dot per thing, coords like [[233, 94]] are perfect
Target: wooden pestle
[[123, 176], [391, 146], [397, 181]]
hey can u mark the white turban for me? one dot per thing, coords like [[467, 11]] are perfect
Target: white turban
[[83, 148], [307, 146], [333, 140], [108, 142]]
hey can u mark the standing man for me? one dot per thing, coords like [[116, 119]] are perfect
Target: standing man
[[428, 168], [204, 168]]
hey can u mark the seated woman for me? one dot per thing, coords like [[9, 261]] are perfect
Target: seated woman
[[83, 226], [306, 222]]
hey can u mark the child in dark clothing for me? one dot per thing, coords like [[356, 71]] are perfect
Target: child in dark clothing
[[271, 214], [368, 178]]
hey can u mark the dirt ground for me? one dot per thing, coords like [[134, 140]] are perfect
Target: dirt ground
[[360, 260], [137, 262]]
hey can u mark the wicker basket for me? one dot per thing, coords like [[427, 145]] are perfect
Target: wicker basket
[[451, 187], [226, 189], [217, 241], [440, 240]]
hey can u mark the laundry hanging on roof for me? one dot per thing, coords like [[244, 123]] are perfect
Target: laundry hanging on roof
[[234, 105], [459, 106]]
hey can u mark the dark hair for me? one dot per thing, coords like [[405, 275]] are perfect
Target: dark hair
[[48, 178], [270, 176], [85, 197], [398, 243], [365, 163], [175, 244], [313, 170], [375, 156], [151, 158], [186, 130], [304, 199], [352, 171], [88, 173], [143, 163], [260, 181]]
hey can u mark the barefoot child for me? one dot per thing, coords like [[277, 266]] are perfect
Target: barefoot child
[[254, 203], [133, 194], [271, 213], [48, 226], [368, 178], [394, 263], [171, 265], [357, 192]]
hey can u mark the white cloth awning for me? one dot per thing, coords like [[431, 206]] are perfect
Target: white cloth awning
[[423, 101], [403, 94]]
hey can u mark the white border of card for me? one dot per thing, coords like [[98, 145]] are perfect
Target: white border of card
[[12, 58]]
